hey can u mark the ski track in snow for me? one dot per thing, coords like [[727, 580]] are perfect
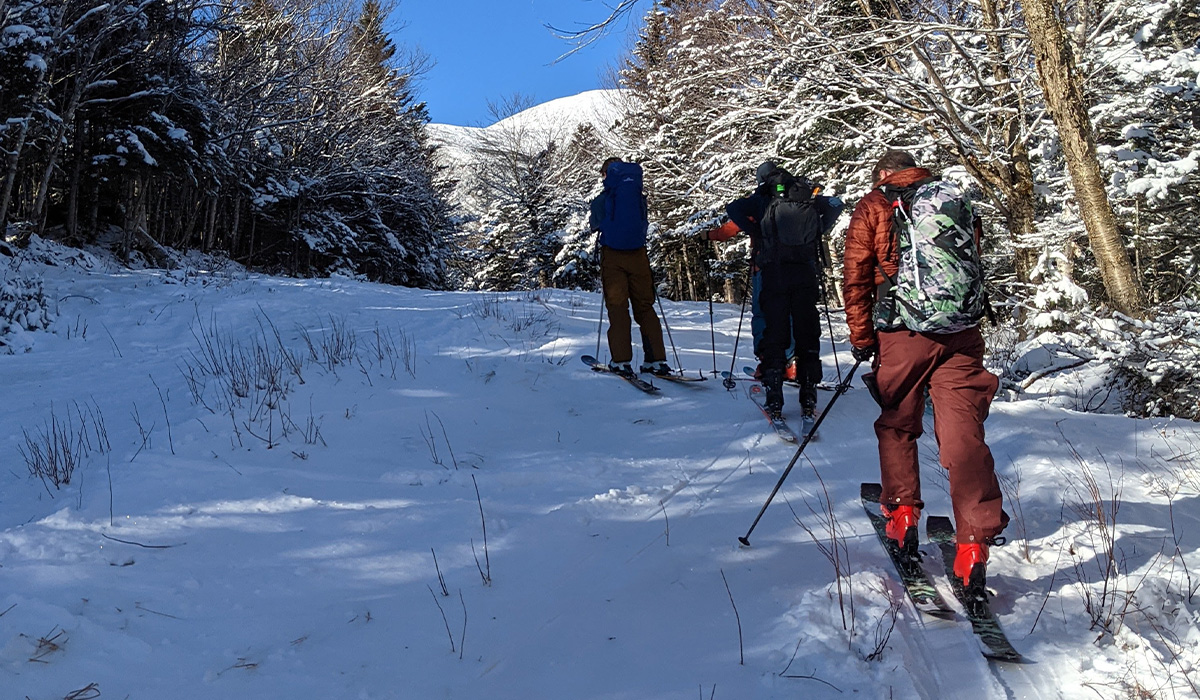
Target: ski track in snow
[[304, 570]]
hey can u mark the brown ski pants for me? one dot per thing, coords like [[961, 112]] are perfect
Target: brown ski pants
[[627, 281], [951, 366]]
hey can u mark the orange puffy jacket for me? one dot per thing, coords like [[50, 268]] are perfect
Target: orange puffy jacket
[[870, 246]]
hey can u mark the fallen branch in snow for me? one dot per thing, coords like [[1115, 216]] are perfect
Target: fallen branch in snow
[[1042, 373], [47, 645], [91, 691], [813, 677], [144, 546], [139, 606], [242, 663], [78, 296]]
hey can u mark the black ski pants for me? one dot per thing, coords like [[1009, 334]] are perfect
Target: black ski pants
[[789, 305]]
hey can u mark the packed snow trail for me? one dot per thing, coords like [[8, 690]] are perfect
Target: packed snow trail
[[228, 561]]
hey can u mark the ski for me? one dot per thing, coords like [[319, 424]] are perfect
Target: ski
[[680, 378], [809, 422], [749, 372], [921, 591], [598, 366], [758, 396], [983, 620]]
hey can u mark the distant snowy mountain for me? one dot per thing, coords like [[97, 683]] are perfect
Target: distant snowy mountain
[[554, 119]]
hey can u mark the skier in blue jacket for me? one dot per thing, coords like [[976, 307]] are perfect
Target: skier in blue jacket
[[619, 213]]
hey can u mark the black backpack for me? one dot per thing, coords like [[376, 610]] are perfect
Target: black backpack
[[791, 226]]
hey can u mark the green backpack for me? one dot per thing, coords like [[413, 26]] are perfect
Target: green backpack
[[938, 287]]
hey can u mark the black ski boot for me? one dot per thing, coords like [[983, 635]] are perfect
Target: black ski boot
[[808, 400], [773, 383], [658, 369]]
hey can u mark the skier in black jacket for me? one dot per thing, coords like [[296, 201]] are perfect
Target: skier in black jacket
[[790, 288]]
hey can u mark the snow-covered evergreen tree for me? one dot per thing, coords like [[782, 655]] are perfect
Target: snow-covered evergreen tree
[[284, 132], [1145, 58]]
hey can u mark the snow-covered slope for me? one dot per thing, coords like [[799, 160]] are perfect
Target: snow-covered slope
[[599, 107], [554, 119], [303, 489]]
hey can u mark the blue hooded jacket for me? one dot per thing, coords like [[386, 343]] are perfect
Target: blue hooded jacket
[[620, 213]]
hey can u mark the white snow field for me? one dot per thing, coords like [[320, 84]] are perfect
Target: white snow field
[[249, 518]]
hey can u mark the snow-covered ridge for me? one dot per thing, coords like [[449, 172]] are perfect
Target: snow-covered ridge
[[554, 119]]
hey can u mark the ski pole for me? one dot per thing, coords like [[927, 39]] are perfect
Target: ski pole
[[666, 325], [661, 312], [841, 389], [729, 383], [829, 322], [600, 325], [712, 329]]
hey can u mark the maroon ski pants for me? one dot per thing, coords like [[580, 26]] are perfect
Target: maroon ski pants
[[951, 366]]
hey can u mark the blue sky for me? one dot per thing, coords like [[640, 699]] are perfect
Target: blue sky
[[489, 49]]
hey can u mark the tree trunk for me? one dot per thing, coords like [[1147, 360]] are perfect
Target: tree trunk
[[10, 175], [231, 244], [210, 225], [73, 186], [1064, 98], [691, 293], [253, 230], [52, 155]]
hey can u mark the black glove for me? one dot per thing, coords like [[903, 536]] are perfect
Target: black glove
[[864, 354]]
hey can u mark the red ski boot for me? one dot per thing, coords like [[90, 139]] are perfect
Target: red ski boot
[[902, 527], [970, 568]]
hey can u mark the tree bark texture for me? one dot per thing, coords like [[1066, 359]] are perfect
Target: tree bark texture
[[1064, 98]]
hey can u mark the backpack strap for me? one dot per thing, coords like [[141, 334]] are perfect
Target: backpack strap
[[894, 195], [901, 201], [977, 225]]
